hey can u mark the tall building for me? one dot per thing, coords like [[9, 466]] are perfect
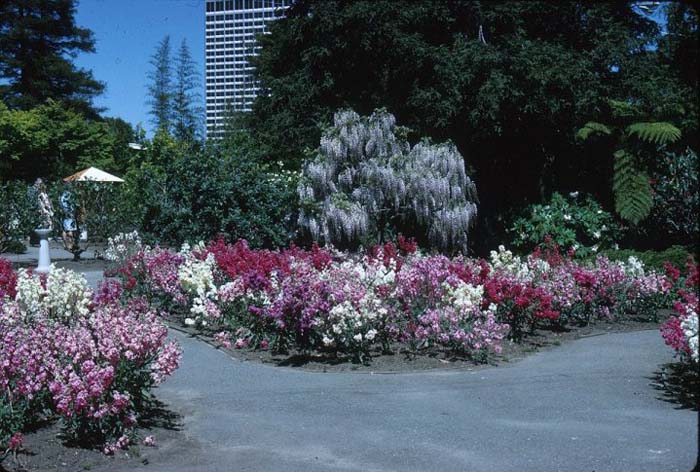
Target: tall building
[[231, 27]]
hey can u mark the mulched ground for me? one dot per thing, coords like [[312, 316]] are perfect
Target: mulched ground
[[402, 361]]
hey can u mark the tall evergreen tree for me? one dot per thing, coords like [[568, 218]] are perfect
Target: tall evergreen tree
[[160, 89], [187, 110], [38, 38]]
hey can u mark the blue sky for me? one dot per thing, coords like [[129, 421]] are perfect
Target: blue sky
[[126, 34]]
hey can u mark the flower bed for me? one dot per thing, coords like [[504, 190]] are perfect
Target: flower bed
[[86, 359], [392, 297], [681, 331]]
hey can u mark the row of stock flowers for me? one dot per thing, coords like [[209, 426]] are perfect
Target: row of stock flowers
[[392, 297], [83, 357]]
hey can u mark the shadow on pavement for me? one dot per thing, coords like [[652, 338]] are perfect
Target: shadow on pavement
[[679, 384]]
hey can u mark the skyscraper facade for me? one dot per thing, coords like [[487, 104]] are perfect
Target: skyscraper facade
[[231, 27]]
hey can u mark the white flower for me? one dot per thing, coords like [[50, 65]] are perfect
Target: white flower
[[189, 321], [690, 329], [371, 334], [596, 235], [567, 217], [503, 260], [574, 194], [197, 278], [122, 246], [66, 296], [594, 248], [634, 267], [358, 337]]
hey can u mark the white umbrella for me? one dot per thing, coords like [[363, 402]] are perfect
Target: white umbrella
[[92, 174]]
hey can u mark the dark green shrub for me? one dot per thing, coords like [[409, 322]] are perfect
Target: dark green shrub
[[197, 195], [676, 255], [676, 212], [19, 215], [570, 222]]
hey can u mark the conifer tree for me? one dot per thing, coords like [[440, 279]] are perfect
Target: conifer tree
[[38, 38], [186, 108], [160, 88]]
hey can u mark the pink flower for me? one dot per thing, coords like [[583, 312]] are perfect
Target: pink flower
[[15, 442]]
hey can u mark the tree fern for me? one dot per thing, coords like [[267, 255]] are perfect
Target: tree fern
[[622, 109], [592, 128], [656, 133], [631, 188], [633, 195]]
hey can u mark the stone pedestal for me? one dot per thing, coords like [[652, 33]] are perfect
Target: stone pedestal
[[44, 256]]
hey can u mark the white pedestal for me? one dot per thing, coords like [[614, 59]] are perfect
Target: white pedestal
[[44, 256]]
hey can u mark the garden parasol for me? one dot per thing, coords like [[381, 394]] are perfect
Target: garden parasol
[[92, 174]]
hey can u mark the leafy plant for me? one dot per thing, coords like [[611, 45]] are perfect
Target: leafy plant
[[192, 195], [583, 226], [677, 197], [19, 215], [92, 207], [631, 188]]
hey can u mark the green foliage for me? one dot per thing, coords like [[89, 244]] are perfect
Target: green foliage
[[631, 189], [179, 194], [37, 41], [676, 212], [592, 128], [676, 255], [13, 416], [187, 111], [95, 207], [633, 197], [52, 141], [512, 99], [173, 92], [160, 87], [19, 214], [657, 133], [570, 222]]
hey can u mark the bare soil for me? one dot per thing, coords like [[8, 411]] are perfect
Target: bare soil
[[44, 450]]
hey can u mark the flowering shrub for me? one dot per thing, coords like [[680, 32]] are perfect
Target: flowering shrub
[[120, 248], [60, 296], [681, 331], [8, 279], [87, 359], [571, 223], [392, 296]]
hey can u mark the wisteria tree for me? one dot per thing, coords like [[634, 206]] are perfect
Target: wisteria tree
[[366, 184]]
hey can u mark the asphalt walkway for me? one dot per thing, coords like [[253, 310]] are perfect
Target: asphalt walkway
[[585, 406]]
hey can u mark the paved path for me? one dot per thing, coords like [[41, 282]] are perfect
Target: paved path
[[585, 406], [91, 268]]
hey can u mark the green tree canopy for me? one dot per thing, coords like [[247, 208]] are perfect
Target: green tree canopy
[[38, 38], [508, 82], [52, 141]]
